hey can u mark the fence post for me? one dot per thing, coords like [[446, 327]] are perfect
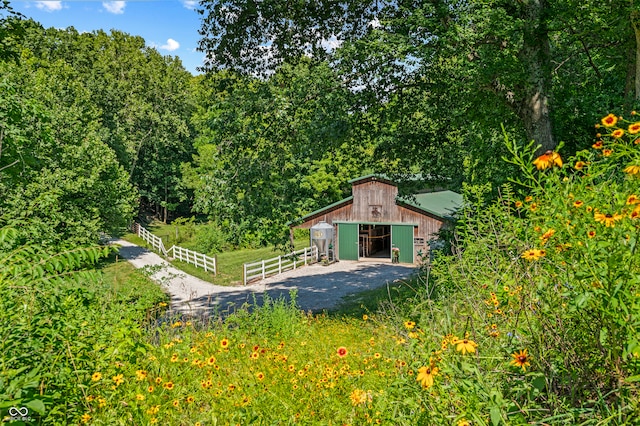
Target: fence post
[[305, 256], [244, 273], [204, 261], [279, 264]]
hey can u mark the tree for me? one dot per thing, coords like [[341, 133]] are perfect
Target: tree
[[61, 183], [144, 101], [270, 151], [491, 55]]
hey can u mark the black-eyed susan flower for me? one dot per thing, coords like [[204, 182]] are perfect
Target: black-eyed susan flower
[[579, 165], [618, 133], [224, 343], [260, 376], [533, 254], [118, 379], [85, 418], [548, 159], [140, 397], [518, 204], [607, 219], [168, 385], [425, 376], [609, 121], [521, 359], [409, 325], [141, 375], [548, 234], [633, 199], [632, 169], [465, 346], [359, 397], [463, 422], [96, 376], [190, 399]]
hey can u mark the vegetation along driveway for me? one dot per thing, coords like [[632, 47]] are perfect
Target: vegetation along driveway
[[318, 287]]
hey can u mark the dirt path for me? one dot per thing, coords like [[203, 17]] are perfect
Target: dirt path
[[318, 287]]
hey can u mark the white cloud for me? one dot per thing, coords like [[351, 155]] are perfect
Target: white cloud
[[49, 6], [190, 4], [116, 7], [171, 45]]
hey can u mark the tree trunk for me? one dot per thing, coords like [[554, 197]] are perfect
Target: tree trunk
[[535, 55], [635, 16]]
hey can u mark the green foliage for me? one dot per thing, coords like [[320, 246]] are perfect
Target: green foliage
[[271, 151], [59, 320], [60, 182], [211, 239]]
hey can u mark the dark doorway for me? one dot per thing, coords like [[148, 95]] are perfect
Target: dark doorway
[[375, 241]]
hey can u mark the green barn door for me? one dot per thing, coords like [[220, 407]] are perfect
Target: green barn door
[[348, 241], [402, 237]]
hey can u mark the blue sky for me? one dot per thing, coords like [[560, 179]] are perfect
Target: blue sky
[[171, 26]]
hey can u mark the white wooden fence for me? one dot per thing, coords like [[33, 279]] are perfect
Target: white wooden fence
[[155, 242], [193, 257], [277, 265], [199, 260]]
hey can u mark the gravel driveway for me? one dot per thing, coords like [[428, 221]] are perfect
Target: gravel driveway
[[318, 287]]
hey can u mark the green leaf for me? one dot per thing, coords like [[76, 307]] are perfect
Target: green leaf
[[496, 418], [36, 405]]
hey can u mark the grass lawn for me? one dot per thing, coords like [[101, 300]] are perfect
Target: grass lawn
[[229, 264]]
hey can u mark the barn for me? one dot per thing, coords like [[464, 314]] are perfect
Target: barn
[[374, 219]]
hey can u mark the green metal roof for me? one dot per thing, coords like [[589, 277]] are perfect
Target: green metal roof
[[442, 203]]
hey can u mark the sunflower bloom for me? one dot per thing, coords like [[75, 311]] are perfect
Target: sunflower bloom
[[465, 346], [618, 133], [548, 159], [425, 376], [607, 219], [521, 359], [609, 121]]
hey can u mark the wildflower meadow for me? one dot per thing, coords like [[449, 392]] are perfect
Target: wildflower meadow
[[533, 318]]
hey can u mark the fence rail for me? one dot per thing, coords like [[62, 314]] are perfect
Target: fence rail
[[155, 242], [277, 265], [192, 257], [199, 260]]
